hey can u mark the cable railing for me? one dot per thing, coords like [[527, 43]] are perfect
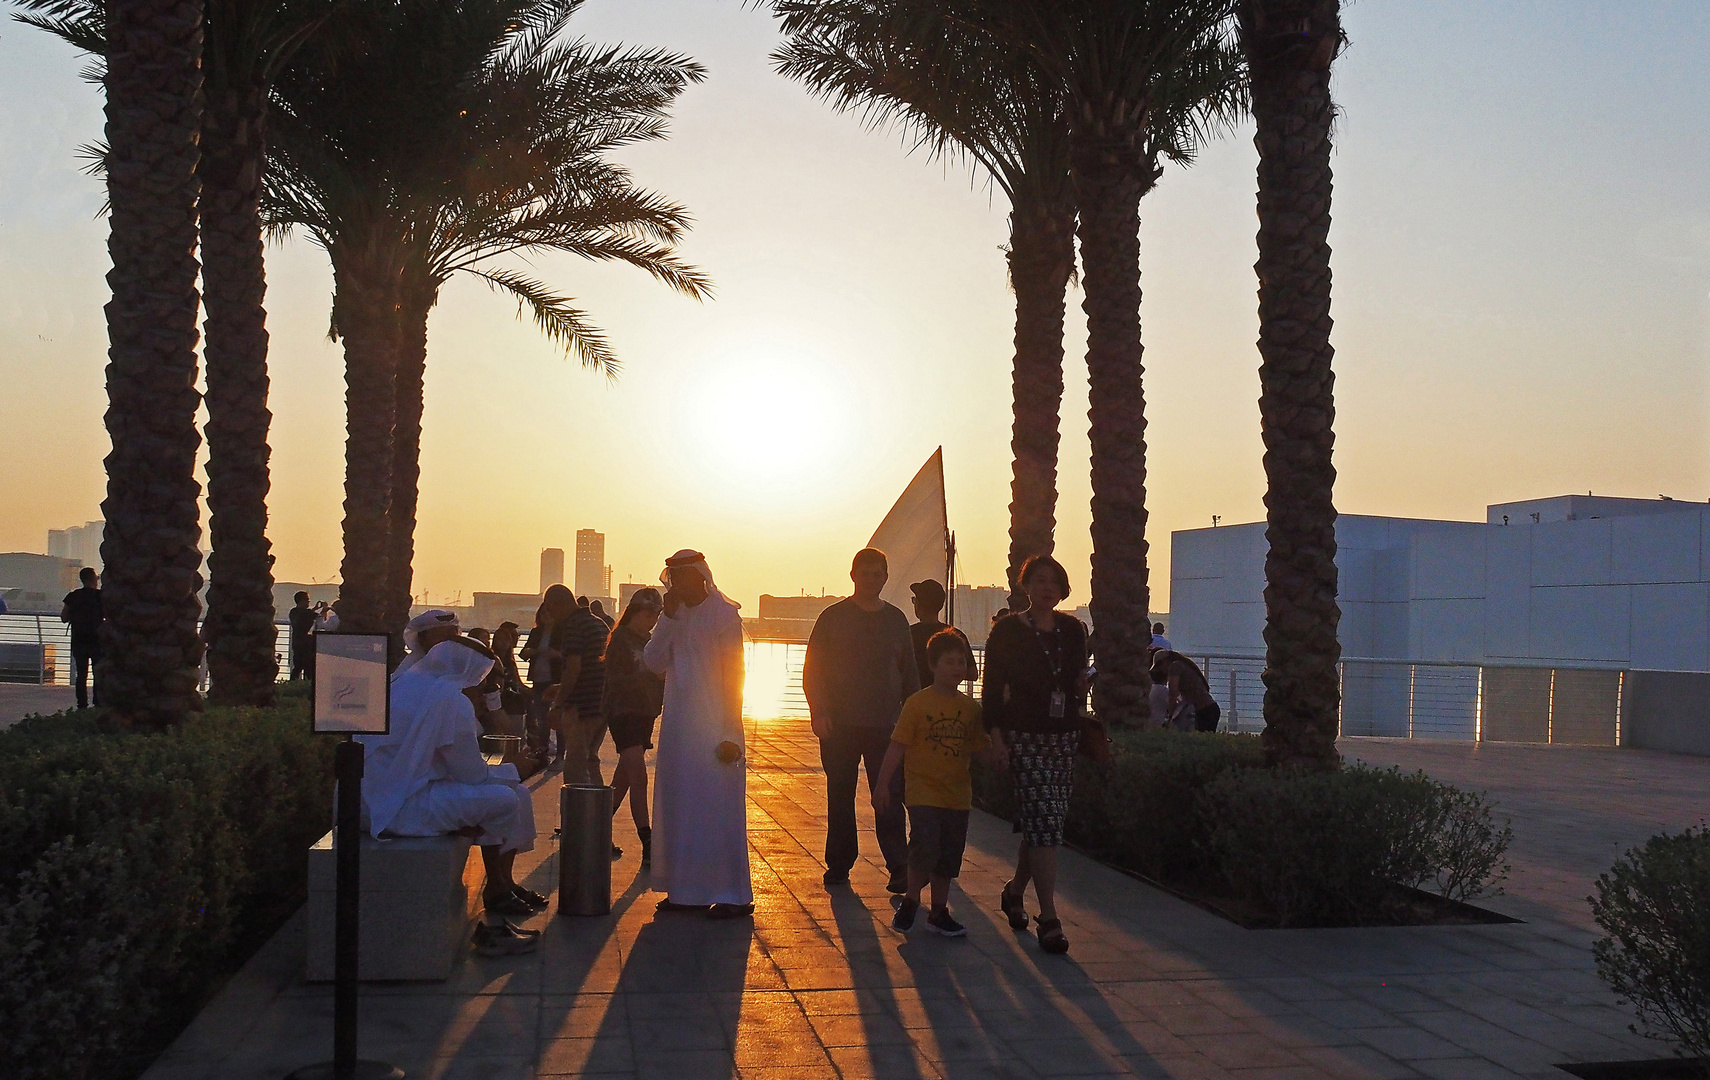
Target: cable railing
[[37, 649], [1540, 702]]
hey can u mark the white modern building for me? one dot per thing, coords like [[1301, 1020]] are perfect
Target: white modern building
[[1571, 579], [1568, 619]]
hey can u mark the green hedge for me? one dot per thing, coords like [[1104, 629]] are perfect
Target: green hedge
[[137, 870], [1201, 812], [1654, 904]]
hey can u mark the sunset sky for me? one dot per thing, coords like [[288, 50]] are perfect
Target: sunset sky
[[1522, 303]]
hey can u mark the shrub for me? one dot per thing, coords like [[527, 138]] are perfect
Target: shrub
[[1328, 848], [1202, 812], [1654, 904], [131, 867]]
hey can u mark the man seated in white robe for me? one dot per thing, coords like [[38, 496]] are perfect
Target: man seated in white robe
[[429, 778], [424, 632]]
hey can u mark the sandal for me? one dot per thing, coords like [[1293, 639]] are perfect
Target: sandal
[[1051, 937], [730, 911], [1014, 907], [508, 904]]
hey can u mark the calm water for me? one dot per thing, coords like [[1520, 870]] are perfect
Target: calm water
[[774, 683]]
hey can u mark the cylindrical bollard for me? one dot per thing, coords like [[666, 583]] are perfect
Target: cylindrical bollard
[[585, 850]]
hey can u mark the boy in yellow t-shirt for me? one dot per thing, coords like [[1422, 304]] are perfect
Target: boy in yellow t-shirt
[[937, 733]]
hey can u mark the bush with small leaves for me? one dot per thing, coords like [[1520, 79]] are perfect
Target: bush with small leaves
[[1654, 905], [133, 865]]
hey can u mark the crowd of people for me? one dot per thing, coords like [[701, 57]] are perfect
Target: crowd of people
[[885, 698]]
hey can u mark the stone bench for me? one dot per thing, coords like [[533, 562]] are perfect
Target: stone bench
[[419, 897]]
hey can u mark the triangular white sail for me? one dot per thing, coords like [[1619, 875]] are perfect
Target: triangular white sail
[[915, 535]]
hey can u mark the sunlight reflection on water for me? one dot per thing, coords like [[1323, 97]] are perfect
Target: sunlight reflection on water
[[773, 687]]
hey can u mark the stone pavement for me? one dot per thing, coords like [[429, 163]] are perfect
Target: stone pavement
[[1575, 809], [818, 985], [18, 700]]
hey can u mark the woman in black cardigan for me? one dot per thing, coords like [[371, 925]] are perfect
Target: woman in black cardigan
[[1034, 700]]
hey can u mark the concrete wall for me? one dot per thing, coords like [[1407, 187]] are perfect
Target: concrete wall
[[1630, 590], [1667, 710]]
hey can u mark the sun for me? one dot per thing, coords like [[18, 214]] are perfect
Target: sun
[[764, 420]]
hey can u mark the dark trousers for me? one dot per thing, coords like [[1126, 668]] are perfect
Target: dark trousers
[[302, 658], [1206, 718], [843, 755], [82, 665]]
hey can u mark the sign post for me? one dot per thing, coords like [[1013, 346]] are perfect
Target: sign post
[[352, 696]]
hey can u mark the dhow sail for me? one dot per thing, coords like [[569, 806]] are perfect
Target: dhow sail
[[915, 535]]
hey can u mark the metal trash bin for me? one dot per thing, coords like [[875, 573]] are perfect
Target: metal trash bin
[[585, 850]]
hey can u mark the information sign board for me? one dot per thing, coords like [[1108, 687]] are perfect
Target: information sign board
[[353, 694]]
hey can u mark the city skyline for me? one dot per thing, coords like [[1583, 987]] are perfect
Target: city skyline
[[1516, 317]]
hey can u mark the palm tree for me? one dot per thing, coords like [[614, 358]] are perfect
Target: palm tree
[[153, 77], [504, 153], [1141, 79], [244, 42], [968, 92], [1290, 45]]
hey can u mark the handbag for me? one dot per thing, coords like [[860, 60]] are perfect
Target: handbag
[[1095, 744]]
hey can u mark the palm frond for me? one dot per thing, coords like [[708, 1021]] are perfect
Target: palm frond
[[562, 323]]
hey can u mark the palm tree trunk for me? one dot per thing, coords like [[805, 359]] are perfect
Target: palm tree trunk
[[1290, 46], [365, 310], [1041, 259], [239, 629], [406, 456], [1108, 188], [150, 651]]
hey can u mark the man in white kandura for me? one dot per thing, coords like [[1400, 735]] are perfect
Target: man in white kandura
[[429, 778], [700, 791]]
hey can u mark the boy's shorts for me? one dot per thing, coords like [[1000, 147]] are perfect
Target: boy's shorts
[[936, 839]]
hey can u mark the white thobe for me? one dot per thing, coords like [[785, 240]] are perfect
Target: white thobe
[[700, 808], [427, 777]]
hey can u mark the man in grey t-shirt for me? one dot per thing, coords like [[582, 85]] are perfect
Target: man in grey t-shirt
[[858, 672]]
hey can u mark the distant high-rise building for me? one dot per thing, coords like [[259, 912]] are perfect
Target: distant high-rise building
[[590, 563], [551, 568], [80, 543]]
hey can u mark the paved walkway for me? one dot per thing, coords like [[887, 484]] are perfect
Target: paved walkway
[[818, 986], [18, 700]]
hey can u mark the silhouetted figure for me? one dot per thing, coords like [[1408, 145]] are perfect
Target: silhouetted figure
[[1034, 698], [859, 670], [633, 697], [82, 609], [928, 602], [302, 618], [599, 610]]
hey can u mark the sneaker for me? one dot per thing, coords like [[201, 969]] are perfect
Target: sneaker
[[501, 940], [836, 877], [898, 883], [940, 922], [904, 919]]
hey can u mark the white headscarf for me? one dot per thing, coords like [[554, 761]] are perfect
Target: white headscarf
[[429, 711], [427, 620], [691, 559]]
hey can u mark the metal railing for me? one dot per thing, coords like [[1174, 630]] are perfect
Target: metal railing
[[1561, 703], [37, 649]]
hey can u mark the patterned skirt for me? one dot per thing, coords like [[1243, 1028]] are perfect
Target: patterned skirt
[[1043, 766]]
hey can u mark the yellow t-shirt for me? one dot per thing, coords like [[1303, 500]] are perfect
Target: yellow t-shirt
[[941, 732]]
